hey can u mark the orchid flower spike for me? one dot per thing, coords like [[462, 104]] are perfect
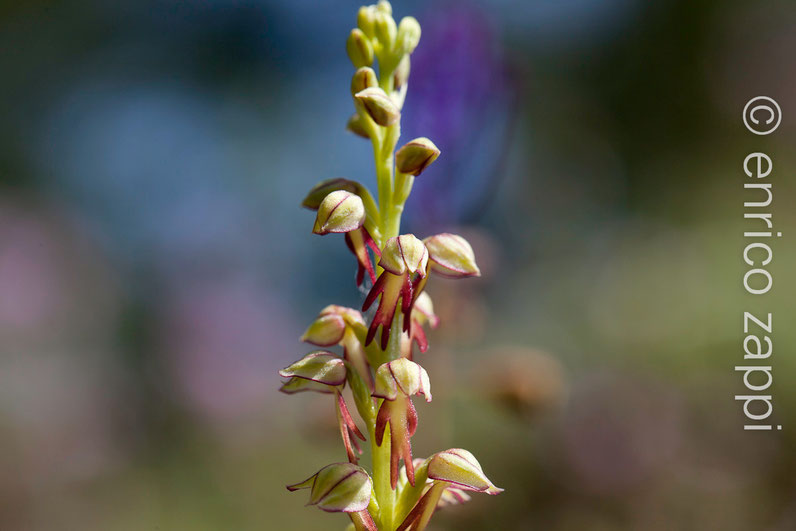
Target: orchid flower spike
[[404, 260], [396, 382], [323, 372], [341, 488], [381, 375]]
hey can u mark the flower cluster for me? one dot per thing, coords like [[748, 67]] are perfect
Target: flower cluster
[[382, 375]]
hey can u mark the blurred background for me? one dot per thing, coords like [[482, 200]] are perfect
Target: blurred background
[[156, 269]]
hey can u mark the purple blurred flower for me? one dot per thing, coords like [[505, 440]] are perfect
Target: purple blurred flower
[[461, 98]]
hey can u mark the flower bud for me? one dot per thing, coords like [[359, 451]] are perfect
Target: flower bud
[[416, 155], [325, 331], [422, 313], [385, 28], [363, 78], [319, 192], [384, 6], [404, 253], [340, 487], [379, 106], [461, 468], [355, 126], [401, 74], [365, 20], [351, 316], [404, 376], [423, 310], [408, 35], [359, 48], [319, 366], [340, 211], [451, 256]]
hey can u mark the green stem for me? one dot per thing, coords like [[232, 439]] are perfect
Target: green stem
[[390, 225], [385, 495], [381, 477], [383, 149], [410, 495], [384, 187], [403, 187], [373, 219], [386, 71], [393, 351]]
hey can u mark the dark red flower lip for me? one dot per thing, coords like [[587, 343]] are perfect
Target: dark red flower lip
[[358, 242], [391, 288], [403, 423], [348, 430]]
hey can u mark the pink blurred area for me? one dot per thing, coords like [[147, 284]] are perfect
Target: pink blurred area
[[223, 340]]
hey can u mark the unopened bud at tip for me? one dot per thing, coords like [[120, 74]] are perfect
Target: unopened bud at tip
[[385, 28], [416, 155], [384, 6], [359, 48], [408, 35], [365, 20], [379, 106], [362, 79]]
